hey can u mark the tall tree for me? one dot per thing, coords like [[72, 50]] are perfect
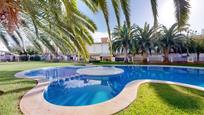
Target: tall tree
[[102, 5], [67, 28], [123, 39], [196, 45], [62, 19], [171, 38], [145, 37]]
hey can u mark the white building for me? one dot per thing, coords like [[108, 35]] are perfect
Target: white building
[[100, 50]]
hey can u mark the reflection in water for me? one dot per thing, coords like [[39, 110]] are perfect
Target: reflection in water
[[54, 73], [71, 90], [80, 91]]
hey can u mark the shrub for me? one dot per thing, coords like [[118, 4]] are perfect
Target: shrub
[[35, 58], [23, 58]]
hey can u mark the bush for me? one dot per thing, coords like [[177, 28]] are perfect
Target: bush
[[23, 58], [35, 58], [55, 60], [119, 59], [94, 61]]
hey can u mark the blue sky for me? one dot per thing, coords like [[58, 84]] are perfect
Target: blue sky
[[141, 13]]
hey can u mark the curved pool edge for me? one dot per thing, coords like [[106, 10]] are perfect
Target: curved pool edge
[[33, 101]]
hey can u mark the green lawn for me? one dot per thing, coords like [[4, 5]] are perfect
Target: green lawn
[[12, 89], [163, 99], [152, 98]]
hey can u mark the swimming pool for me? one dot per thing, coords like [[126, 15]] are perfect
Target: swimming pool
[[70, 89]]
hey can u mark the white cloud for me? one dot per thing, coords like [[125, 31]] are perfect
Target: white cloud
[[98, 35]]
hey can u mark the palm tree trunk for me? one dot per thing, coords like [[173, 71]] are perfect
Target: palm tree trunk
[[126, 55], [166, 55], [109, 36], [198, 57], [132, 58], [144, 57]]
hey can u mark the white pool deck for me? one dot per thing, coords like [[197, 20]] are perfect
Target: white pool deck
[[33, 102]]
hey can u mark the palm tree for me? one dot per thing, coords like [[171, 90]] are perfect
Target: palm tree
[[9, 11], [171, 38], [181, 8], [145, 38], [123, 39], [190, 44], [68, 28], [196, 45], [182, 11], [102, 5], [8, 38], [65, 25], [17, 40], [199, 48], [62, 19]]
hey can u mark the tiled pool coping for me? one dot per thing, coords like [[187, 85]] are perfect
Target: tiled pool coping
[[34, 103]]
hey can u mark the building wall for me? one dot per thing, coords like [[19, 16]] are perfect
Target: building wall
[[101, 49]]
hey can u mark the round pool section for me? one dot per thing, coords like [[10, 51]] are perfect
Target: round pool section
[[100, 71], [53, 73]]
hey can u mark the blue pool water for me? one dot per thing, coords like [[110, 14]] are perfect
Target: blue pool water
[[69, 89], [53, 73]]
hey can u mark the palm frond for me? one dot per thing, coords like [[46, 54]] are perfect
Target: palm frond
[[5, 41], [155, 12], [116, 8], [126, 10], [182, 10]]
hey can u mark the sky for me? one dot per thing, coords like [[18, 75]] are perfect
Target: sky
[[141, 13]]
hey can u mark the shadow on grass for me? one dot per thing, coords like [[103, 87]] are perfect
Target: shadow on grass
[[17, 81], [17, 90], [26, 89], [7, 80], [1, 93], [7, 76], [195, 92], [176, 98]]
